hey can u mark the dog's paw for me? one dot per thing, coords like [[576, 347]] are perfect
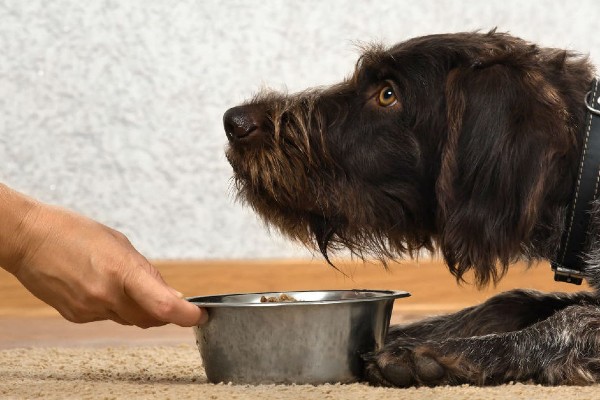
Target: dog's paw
[[404, 367]]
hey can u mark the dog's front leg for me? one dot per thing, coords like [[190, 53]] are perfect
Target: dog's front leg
[[562, 349]]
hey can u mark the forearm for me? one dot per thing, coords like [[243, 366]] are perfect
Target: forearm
[[16, 213]]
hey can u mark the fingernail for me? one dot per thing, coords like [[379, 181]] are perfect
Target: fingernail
[[176, 293]]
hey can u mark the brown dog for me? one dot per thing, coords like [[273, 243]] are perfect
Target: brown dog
[[469, 143]]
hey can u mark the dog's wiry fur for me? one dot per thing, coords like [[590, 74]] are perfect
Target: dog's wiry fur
[[478, 158]]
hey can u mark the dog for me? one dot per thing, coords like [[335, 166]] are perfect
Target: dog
[[467, 144]]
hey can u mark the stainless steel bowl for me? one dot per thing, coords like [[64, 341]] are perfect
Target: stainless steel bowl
[[317, 339]]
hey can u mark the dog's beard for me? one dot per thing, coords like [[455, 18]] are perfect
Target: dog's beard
[[329, 216]]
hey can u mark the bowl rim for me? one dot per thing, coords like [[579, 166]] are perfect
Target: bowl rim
[[382, 294]]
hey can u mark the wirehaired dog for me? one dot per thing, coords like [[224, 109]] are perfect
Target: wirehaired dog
[[468, 144]]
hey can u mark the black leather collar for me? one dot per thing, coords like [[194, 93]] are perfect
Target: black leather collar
[[569, 262]]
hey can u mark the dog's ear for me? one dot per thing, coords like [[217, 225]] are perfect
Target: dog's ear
[[504, 133]]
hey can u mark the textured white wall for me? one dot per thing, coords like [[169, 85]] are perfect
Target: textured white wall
[[113, 108]]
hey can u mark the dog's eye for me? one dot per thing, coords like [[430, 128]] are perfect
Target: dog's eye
[[387, 97]]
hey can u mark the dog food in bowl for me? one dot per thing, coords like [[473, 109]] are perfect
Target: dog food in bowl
[[282, 298]]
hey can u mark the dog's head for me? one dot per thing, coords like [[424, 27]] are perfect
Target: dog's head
[[463, 141]]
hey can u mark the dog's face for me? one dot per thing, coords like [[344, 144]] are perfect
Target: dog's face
[[340, 165], [441, 140]]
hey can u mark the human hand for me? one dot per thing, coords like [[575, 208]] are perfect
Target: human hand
[[89, 272]]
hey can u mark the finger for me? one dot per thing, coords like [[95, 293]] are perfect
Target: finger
[[133, 314], [127, 312], [113, 316], [158, 300]]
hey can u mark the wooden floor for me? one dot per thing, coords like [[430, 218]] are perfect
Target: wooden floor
[[26, 321]]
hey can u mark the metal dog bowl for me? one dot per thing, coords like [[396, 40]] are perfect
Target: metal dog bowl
[[318, 338]]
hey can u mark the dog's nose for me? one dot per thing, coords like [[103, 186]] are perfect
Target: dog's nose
[[242, 123]]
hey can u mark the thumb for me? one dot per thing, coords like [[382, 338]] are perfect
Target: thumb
[[186, 313], [163, 302], [203, 318]]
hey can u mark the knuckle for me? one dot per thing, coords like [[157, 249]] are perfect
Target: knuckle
[[149, 323], [114, 271], [144, 325], [76, 315], [96, 295], [69, 316], [120, 236]]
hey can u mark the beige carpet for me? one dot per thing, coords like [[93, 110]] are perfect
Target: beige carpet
[[44, 356], [175, 372]]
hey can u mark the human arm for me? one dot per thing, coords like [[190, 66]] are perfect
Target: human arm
[[85, 270]]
